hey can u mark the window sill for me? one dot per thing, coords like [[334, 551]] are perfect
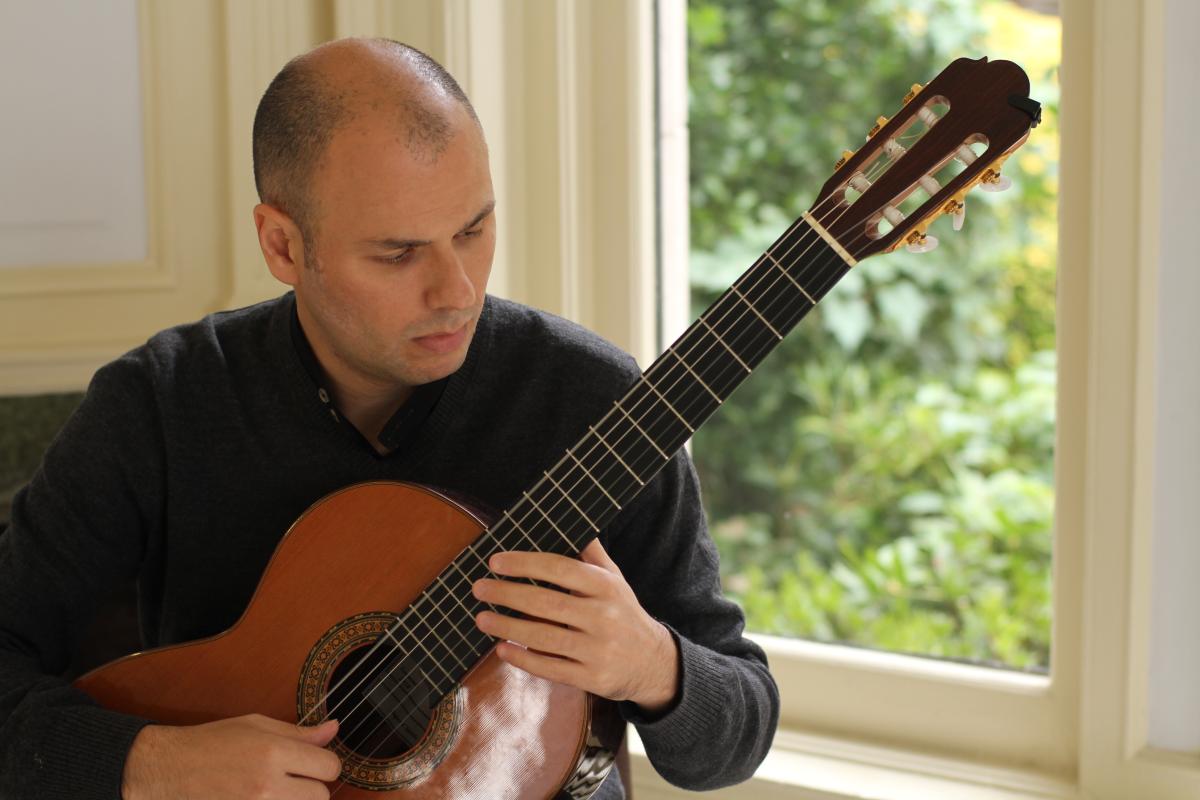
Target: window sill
[[803, 766]]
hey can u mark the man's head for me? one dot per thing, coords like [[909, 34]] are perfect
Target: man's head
[[376, 207]]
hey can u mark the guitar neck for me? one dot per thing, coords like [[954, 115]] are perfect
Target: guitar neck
[[624, 449]]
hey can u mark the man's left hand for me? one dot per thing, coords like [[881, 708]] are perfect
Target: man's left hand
[[609, 646]]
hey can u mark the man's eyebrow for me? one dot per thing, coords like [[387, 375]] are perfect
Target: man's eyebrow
[[401, 244]]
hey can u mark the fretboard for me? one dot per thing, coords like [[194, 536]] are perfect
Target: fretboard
[[627, 446]]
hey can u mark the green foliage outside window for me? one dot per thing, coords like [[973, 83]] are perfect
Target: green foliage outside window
[[886, 476]]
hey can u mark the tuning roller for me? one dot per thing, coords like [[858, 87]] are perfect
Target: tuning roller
[[918, 241]]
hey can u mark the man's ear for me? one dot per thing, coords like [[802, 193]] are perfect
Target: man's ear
[[281, 243]]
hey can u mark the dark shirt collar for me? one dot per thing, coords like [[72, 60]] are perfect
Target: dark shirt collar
[[404, 424]]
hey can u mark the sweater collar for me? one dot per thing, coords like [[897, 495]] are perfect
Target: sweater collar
[[403, 425]]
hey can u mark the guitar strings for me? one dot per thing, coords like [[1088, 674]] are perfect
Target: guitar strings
[[735, 339], [880, 166], [643, 417]]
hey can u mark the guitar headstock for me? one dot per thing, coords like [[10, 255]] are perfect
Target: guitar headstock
[[950, 136]]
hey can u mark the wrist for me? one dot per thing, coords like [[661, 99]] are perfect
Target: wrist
[[143, 753], [663, 676]]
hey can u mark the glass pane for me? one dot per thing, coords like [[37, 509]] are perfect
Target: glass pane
[[886, 477]]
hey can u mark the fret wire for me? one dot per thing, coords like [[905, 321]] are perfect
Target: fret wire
[[487, 570], [716, 397], [617, 457], [639, 427], [703, 322], [599, 485], [419, 646], [547, 516], [788, 275], [498, 539], [521, 531], [709, 370], [427, 596], [435, 685], [666, 403], [470, 581], [750, 305], [572, 502], [452, 593], [433, 630], [658, 426]]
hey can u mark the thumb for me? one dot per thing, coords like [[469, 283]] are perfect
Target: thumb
[[596, 555], [320, 734]]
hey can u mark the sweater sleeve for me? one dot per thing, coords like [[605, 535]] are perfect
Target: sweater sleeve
[[78, 528], [723, 720]]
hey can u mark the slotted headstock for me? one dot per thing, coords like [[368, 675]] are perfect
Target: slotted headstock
[[951, 135]]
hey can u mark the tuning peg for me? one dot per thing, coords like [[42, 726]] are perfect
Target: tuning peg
[[916, 88], [957, 209], [921, 243], [846, 156], [993, 181], [879, 123]]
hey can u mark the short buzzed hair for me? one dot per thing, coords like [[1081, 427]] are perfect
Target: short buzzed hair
[[302, 109]]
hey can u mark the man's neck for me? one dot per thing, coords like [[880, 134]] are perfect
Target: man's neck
[[368, 410], [365, 403]]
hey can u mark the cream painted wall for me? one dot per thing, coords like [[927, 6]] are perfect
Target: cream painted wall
[[575, 208]]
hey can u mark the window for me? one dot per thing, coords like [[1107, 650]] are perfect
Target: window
[[886, 477]]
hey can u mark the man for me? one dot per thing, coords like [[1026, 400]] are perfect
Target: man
[[191, 455]]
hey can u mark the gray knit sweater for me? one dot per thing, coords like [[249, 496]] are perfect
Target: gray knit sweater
[[191, 456]]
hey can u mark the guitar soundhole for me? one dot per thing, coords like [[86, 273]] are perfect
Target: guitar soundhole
[[384, 702]]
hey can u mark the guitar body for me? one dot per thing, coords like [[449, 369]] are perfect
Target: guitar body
[[352, 563]]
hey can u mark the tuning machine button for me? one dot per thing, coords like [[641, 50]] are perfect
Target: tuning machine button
[[920, 242], [957, 209], [993, 181]]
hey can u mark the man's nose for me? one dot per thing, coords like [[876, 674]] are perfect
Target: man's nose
[[449, 285]]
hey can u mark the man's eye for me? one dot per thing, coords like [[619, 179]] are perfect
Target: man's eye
[[396, 259], [470, 233]]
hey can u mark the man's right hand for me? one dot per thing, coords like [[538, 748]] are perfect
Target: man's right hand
[[242, 758]]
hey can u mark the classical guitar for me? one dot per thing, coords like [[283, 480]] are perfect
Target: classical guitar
[[392, 651]]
